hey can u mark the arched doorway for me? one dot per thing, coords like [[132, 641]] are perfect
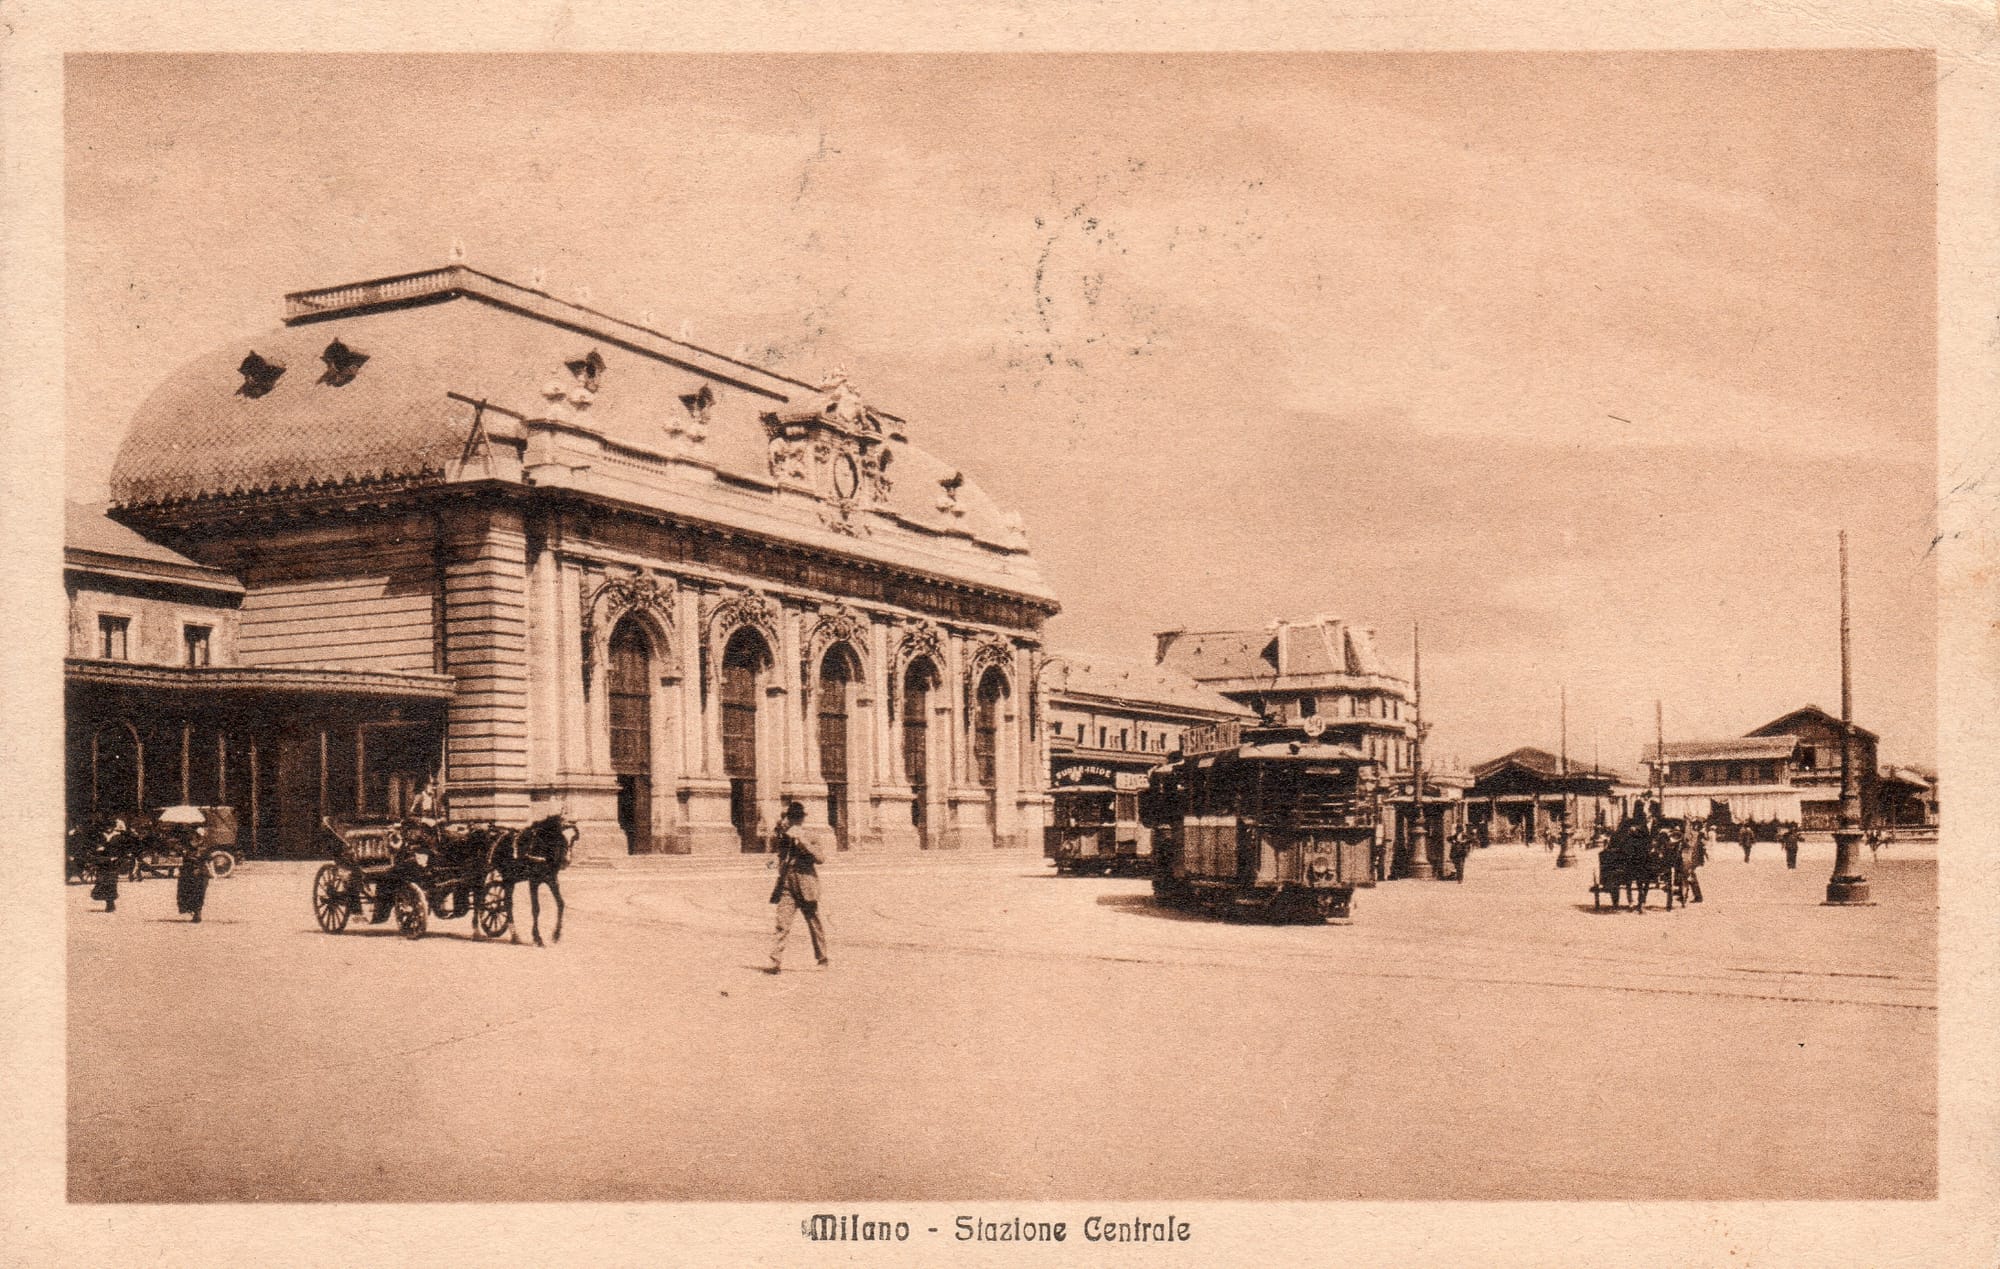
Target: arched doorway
[[987, 709], [628, 690], [918, 682], [838, 672], [745, 660], [116, 787]]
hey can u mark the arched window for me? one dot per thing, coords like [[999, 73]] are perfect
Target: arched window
[[918, 680], [628, 692], [744, 662], [837, 672], [986, 728], [115, 756]]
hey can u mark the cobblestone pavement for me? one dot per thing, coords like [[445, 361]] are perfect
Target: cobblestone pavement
[[990, 1030]]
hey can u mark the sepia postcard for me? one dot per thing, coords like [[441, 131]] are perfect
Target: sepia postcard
[[1201, 638]]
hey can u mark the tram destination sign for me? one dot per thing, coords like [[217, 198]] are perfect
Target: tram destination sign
[[1212, 737]]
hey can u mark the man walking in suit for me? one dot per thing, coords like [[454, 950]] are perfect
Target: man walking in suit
[[797, 888]]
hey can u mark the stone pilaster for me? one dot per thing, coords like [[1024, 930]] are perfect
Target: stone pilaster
[[486, 637]]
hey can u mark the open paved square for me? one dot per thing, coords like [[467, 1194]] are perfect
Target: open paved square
[[990, 1031]]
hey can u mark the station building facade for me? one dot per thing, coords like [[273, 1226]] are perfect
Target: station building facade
[[659, 590], [1529, 795], [1110, 721]]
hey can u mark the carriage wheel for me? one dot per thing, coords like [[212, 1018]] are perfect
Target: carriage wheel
[[412, 911], [496, 906], [221, 863], [329, 899]]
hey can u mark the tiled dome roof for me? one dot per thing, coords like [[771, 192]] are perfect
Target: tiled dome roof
[[368, 389]]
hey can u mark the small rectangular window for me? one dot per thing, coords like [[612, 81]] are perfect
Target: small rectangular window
[[1122, 734], [195, 639], [111, 638]]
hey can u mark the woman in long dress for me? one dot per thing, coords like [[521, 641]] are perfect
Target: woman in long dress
[[108, 858], [190, 826]]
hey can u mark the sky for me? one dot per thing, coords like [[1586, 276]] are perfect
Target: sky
[[1578, 360]]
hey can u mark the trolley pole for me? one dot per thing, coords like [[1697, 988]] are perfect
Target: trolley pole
[[1421, 864], [1563, 857], [1848, 885]]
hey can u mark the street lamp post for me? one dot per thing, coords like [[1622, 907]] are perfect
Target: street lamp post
[[1563, 857], [1421, 864], [1848, 885]]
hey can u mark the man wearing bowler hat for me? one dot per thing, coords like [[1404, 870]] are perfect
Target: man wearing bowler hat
[[797, 887]]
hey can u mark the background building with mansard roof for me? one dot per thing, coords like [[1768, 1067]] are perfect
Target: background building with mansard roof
[[669, 590], [1318, 667]]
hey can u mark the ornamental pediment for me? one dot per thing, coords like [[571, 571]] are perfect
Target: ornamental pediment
[[833, 448]]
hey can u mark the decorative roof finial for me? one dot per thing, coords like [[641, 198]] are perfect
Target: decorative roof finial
[[458, 251], [539, 279]]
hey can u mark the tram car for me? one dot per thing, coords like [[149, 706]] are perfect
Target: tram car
[[1096, 829], [1270, 820]]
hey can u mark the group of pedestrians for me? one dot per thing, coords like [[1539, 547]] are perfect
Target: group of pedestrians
[[116, 848], [1788, 839]]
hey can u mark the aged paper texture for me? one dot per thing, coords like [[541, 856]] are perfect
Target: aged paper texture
[[1363, 636]]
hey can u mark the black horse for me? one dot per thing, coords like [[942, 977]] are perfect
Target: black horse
[[1638, 858], [535, 854]]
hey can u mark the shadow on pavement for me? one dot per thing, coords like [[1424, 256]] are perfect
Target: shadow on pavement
[[1147, 906]]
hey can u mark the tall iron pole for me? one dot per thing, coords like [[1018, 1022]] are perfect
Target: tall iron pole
[[1847, 885], [1563, 859], [1421, 864], [1660, 756]]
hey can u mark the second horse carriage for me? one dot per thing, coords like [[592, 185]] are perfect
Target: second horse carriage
[[1642, 855], [415, 869]]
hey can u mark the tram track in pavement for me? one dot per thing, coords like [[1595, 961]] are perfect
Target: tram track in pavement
[[1732, 983]]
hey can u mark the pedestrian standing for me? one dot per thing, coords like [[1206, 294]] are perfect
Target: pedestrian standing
[[190, 829], [796, 891], [1461, 846], [1746, 839], [1791, 843], [108, 858]]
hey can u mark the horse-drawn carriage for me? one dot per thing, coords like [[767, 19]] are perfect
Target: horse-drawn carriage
[[138, 846], [414, 869], [1641, 856]]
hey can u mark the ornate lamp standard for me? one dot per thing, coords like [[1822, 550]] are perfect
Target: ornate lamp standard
[[1421, 864], [1563, 858], [1847, 885]]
